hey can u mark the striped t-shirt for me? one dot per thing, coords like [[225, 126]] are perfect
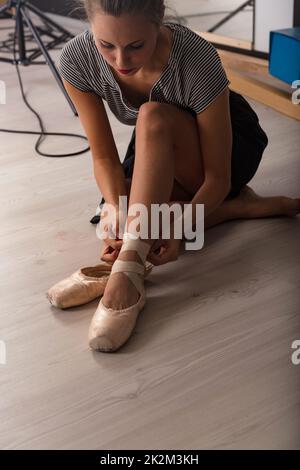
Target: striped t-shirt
[[193, 78]]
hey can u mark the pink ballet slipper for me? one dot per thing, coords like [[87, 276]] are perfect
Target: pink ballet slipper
[[111, 328], [83, 286]]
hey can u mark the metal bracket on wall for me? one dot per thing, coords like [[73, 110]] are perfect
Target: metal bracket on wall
[[231, 44]]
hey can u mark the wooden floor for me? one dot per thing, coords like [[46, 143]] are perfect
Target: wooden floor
[[209, 364]]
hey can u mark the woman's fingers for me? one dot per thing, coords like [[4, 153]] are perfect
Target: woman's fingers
[[110, 258], [110, 238], [109, 254], [168, 252], [158, 256], [155, 248], [115, 244]]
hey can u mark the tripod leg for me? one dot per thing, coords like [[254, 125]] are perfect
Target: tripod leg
[[47, 58], [38, 12], [228, 17], [21, 40]]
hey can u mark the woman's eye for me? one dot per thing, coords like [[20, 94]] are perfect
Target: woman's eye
[[106, 46]]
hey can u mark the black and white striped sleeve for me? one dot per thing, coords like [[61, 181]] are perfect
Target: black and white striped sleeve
[[207, 77], [70, 66]]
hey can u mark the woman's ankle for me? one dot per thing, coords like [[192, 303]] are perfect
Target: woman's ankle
[[130, 256]]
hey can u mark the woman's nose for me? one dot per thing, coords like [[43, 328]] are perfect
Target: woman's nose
[[122, 60]]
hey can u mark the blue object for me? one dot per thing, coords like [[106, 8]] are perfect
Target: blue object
[[284, 60]]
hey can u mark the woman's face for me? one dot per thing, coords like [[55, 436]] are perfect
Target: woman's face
[[126, 42]]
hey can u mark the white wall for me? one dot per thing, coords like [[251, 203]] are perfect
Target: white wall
[[270, 15]]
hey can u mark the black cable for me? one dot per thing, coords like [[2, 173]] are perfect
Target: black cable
[[41, 134]]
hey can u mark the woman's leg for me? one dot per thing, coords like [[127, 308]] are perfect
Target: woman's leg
[[247, 205], [168, 149], [158, 161]]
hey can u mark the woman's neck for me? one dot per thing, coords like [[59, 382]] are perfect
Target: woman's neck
[[160, 57]]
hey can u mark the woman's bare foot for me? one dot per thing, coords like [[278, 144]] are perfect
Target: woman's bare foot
[[250, 205], [120, 292]]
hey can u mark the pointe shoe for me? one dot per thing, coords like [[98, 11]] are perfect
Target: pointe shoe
[[83, 286], [111, 328]]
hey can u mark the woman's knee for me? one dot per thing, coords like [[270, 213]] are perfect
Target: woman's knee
[[181, 128], [154, 117]]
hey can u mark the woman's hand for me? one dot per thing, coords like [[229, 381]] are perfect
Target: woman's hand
[[164, 251], [112, 225], [109, 254]]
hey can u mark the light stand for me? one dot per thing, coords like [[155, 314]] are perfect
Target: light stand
[[19, 10]]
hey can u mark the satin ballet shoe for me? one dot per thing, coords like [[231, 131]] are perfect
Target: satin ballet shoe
[[110, 328], [83, 286]]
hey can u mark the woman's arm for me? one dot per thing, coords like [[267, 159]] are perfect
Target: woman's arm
[[108, 170]]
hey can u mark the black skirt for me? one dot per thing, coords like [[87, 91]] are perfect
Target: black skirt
[[249, 143]]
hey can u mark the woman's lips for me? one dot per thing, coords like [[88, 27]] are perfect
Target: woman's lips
[[125, 71]]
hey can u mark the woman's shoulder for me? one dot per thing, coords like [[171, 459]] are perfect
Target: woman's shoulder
[[80, 41], [191, 42], [82, 44], [80, 64], [186, 32]]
